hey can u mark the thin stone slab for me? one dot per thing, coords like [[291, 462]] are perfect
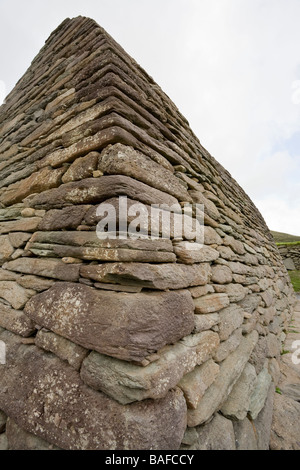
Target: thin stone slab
[[238, 403], [190, 253], [101, 254], [23, 225], [154, 276], [260, 393], [52, 268], [96, 190], [229, 345]]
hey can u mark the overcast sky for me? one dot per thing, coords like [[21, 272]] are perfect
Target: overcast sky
[[232, 67]]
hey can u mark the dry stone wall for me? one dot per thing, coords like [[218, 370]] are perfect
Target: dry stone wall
[[126, 343], [291, 256]]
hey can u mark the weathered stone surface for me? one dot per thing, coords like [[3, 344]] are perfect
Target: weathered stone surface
[[68, 218], [45, 267], [3, 419], [96, 190], [226, 252], [260, 392], [221, 274], [90, 239], [16, 295], [101, 254], [6, 248], [244, 435], [126, 382], [268, 297], [87, 245], [211, 303], [22, 225], [216, 435], [289, 264], [3, 442], [11, 213], [206, 321], [155, 276], [190, 438], [81, 168], [235, 292], [125, 326], [37, 182], [211, 237], [259, 354], [18, 239], [8, 275], [66, 350], [250, 322], [191, 253], [250, 302], [78, 417], [124, 160], [195, 383], [273, 345], [292, 391], [267, 314], [230, 370], [36, 283], [201, 290], [262, 424], [231, 318], [238, 403], [16, 321], [19, 439], [209, 206], [274, 370], [112, 287], [235, 245], [285, 430], [228, 346]]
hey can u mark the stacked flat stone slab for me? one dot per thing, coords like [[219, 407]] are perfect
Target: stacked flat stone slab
[[137, 343]]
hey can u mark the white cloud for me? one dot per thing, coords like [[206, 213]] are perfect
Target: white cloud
[[296, 92], [280, 215]]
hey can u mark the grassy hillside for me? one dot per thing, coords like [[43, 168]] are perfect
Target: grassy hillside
[[295, 280], [280, 237]]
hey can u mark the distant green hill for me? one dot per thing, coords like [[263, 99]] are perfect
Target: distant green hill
[[280, 237]]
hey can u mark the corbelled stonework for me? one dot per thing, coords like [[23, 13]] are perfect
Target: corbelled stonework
[[126, 343]]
